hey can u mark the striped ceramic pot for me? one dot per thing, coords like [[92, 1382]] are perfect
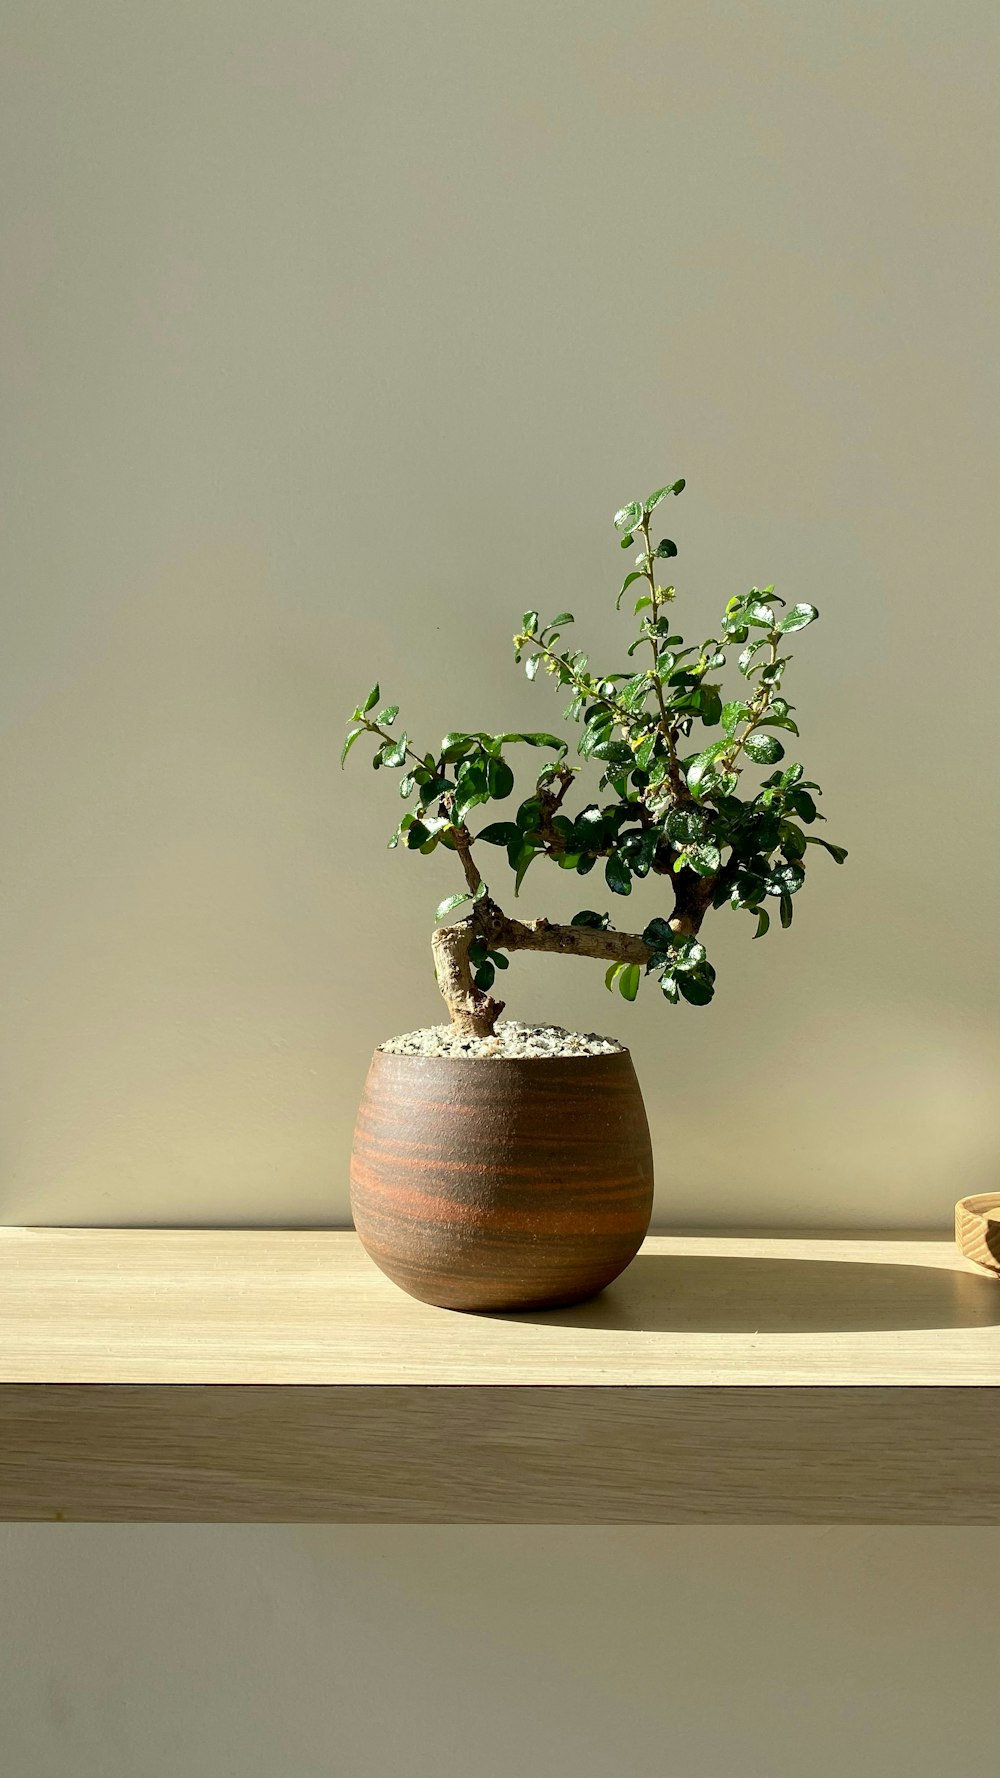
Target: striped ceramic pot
[[503, 1183]]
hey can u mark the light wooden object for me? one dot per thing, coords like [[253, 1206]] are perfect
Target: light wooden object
[[977, 1229], [264, 1376]]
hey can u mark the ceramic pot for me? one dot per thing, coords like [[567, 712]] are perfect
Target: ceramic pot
[[977, 1229], [508, 1183]]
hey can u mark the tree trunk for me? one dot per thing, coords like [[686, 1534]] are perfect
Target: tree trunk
[[472, 1012]]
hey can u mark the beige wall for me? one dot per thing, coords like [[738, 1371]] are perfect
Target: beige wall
[[484, 271], [272, 1652]]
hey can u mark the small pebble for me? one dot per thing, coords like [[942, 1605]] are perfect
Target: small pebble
[[510, 1039]]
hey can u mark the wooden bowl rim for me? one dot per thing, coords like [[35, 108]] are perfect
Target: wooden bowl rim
[[979, 1205]]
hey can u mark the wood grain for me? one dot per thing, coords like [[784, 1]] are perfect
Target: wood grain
[[275, 1377], [489, 1455]]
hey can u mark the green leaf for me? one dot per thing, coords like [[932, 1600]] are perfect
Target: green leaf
[[525, 857], [765, 750], [371, 700], [432, 787], [706, 860], [748, 890], [760, 616], [787, 910], [615, 753], [665, 548], [416, 835], [628, 981], [784, 878], [532, 665], [500, 833], [689, 953], [798, 617], [455, 745], [394, 752], [746, 658], [589, 828], [661, 494], [837, 853], [628, 516], [610, 974], [597, 728], [470, 789], [635, 691], [702, 765], [349, 743], [587, 917], [626, 583], [793, 841], [388, 715], [627, 540], [565, 617], [641, 856], [696, 989], [645, 750], [451, 901], [529, 622], [802, 804], [711, 706], [763, 921], [734, 713], [658, 935], [535, 740], [499, 779], [683, 826], [617, 875], [485, 976], [669, 985]]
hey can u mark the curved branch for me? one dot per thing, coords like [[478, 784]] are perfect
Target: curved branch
[[569, 941]]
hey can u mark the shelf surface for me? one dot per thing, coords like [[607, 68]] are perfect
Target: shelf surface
[[255, 1306], [277, 1376]]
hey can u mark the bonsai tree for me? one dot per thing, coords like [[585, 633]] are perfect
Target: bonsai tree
[[674, 753]]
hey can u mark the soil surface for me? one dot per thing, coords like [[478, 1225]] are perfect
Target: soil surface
[[510, 1039]]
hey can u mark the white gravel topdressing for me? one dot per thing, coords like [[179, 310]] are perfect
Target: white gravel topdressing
[[510, 1039]]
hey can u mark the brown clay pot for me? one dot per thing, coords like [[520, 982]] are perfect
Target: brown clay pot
[[502, 1183]]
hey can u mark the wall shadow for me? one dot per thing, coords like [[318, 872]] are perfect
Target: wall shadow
[[677, 1293]]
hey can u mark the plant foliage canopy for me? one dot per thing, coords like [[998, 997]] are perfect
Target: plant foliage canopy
[[694, 788]]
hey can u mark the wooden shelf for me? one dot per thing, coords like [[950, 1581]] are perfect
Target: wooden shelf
[[277, 1376]]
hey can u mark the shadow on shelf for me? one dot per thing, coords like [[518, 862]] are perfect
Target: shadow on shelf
[[674, 1293]]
